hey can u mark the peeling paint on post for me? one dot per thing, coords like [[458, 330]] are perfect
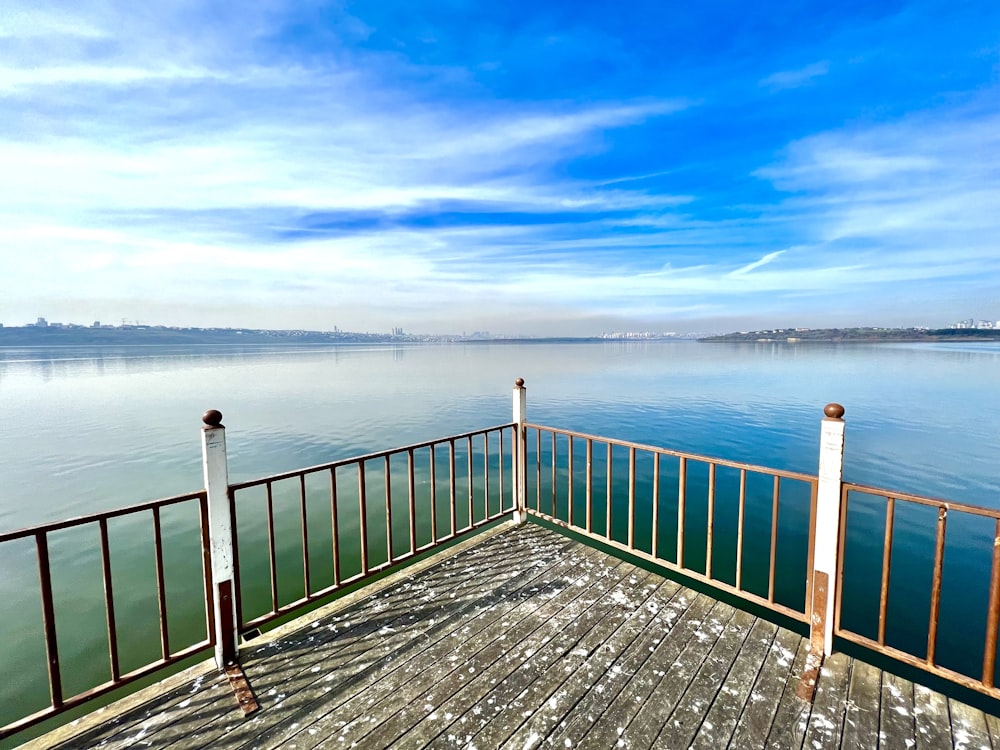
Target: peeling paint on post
[[521, 459], [213, 445], [828, 520]]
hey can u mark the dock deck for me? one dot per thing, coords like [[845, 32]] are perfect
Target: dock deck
[[527, 638]]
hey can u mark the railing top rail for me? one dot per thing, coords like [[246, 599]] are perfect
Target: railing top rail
[[95, 517], [679, 454], [234, 486], [935, 502]]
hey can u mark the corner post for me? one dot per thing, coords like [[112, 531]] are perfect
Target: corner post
[[220, 536], [521, 455], [825, 543]]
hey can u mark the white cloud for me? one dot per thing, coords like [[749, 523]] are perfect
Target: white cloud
[[790, 79]]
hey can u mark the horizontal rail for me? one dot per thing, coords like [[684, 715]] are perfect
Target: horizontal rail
[[45, 528], [935, 502], [679, 454], [366, 457]]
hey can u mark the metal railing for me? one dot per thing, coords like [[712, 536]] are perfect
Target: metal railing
[[643, 512], [55, 619], [782, 540], [486, 497], [918, 645]]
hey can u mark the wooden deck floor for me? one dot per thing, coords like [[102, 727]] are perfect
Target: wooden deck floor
[[530, 639]]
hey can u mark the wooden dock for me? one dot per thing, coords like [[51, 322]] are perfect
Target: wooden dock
[[523, 639]]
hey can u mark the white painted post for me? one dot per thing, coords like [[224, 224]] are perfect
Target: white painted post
[[827, 530], [220, 536], [521, 457]]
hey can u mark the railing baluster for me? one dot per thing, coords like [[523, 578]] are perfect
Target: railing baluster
[[486, 474], [811, 550], [841, 546], [775, 496], [334, 527], [161, 589], [538, 470], [936, 584], [363, 517], [452, 493], [631, 498], [609, 492], [206, 572], [710, 530], [569, 489], [412, 490], [500, 468], [590, 484], [304, 516], [883, 602], [656, 502], [237, 589], [49, 619], [272, 555], [472, 517], [109, 601], [681, 501], [554, 475], [388, 510], [434, 515], [992, 613], [739, 529]]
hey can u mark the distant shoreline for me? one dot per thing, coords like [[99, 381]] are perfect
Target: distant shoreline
[[155, 336], [858, 336]]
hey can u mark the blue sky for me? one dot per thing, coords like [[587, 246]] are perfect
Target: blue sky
[[534, 168]]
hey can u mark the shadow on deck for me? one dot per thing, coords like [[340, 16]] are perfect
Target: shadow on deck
[[526, 638]]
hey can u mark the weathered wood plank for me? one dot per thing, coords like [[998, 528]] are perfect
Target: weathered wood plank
[[761, 706], [684, 722], [896, 726], [596, 719], [463, 576], [968, 726], [993, 726], [539, 678], [337, 676], [578, 680], [933, 720], [720, 721], [792, 717], [648, 721], [640, 668], [826, 722], [456, 660], [504, 672], [864, 705]]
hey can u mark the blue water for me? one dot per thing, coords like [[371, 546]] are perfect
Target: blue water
[[88, 429]]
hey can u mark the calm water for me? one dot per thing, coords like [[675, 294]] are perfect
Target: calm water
[[90, 429]]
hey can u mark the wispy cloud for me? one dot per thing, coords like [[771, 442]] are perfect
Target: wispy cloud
[[792, 79]]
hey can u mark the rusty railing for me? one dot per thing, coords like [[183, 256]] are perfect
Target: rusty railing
[[919, 643], [55, 620], [782, 540], [559, 475], [486, 496]]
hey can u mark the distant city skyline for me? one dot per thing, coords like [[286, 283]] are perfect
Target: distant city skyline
[[530, 168]]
